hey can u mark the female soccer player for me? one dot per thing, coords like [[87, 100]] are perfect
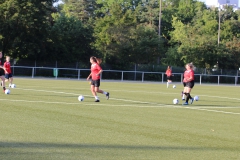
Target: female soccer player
[[169, 75], [8, 72], [2, 73], [188, 82], [96, 70]]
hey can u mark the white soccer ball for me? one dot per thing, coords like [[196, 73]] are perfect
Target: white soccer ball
[[196, 98], [7, 91], [13, 86], [81, 98], [175, 101], [173, 86]]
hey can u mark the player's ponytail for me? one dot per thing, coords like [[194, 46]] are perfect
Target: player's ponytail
[[99, 61], [191, 66]]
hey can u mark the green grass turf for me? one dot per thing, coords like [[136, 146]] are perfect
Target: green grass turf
[[42, 119]]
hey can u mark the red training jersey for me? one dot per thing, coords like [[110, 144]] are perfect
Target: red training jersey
[[95, 68], [188, 74], [7, 66], [168, 72]]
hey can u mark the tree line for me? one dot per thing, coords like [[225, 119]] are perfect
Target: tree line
[[121, 32]]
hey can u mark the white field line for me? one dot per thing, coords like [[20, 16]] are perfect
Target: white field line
[[238, 99], [149, 104], [137, 106]]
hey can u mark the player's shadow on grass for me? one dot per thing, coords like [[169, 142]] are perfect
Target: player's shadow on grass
[[32, 145]]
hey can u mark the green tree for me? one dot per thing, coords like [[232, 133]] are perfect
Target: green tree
[[81, 9], [70, 40], [121, 39], [24, 27], [234, 51]]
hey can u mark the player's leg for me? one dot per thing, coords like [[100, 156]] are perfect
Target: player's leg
[[10, 79], [7, 78], [101, 91], [183, 92], [94, 93], [3, 82], [189, 87]]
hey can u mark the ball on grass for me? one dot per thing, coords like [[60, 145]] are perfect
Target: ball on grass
[[80, 98], [175, 101], [196, 98], [7, 91]]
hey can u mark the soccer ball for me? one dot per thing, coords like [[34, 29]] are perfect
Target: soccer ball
[[173, 86], [13, 86], [7, 91], [175, 101], [81, 98], [196, 98]]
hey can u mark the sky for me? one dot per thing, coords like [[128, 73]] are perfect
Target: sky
[[211, 1]]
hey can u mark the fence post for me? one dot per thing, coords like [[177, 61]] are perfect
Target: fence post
[[55, 72], [162, 77], [200, 79], [142, 76], [33, 72], [79, 74], [122, 76], [218, 79], [135, 72]]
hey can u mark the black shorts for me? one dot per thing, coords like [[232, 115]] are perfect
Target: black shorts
[[169, 78], [7, 76], [2, 72], [96, 83], [188, 84]]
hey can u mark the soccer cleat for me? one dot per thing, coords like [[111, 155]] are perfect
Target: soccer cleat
[[97, 100], [186, 103], [191, 100], [107, 95], [183, 99]]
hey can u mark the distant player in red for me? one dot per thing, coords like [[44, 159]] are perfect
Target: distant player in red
[[8, 72], [188, 82], [2, 73], [96, 71], [169, 75]]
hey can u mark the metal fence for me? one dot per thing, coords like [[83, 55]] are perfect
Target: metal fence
[[141, 76], [130, 67]]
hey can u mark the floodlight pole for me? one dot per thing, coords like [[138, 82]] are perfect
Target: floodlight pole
[[160, 18], [159, 26], [219, 27]]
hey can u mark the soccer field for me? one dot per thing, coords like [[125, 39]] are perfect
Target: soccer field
[[42, 119]]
